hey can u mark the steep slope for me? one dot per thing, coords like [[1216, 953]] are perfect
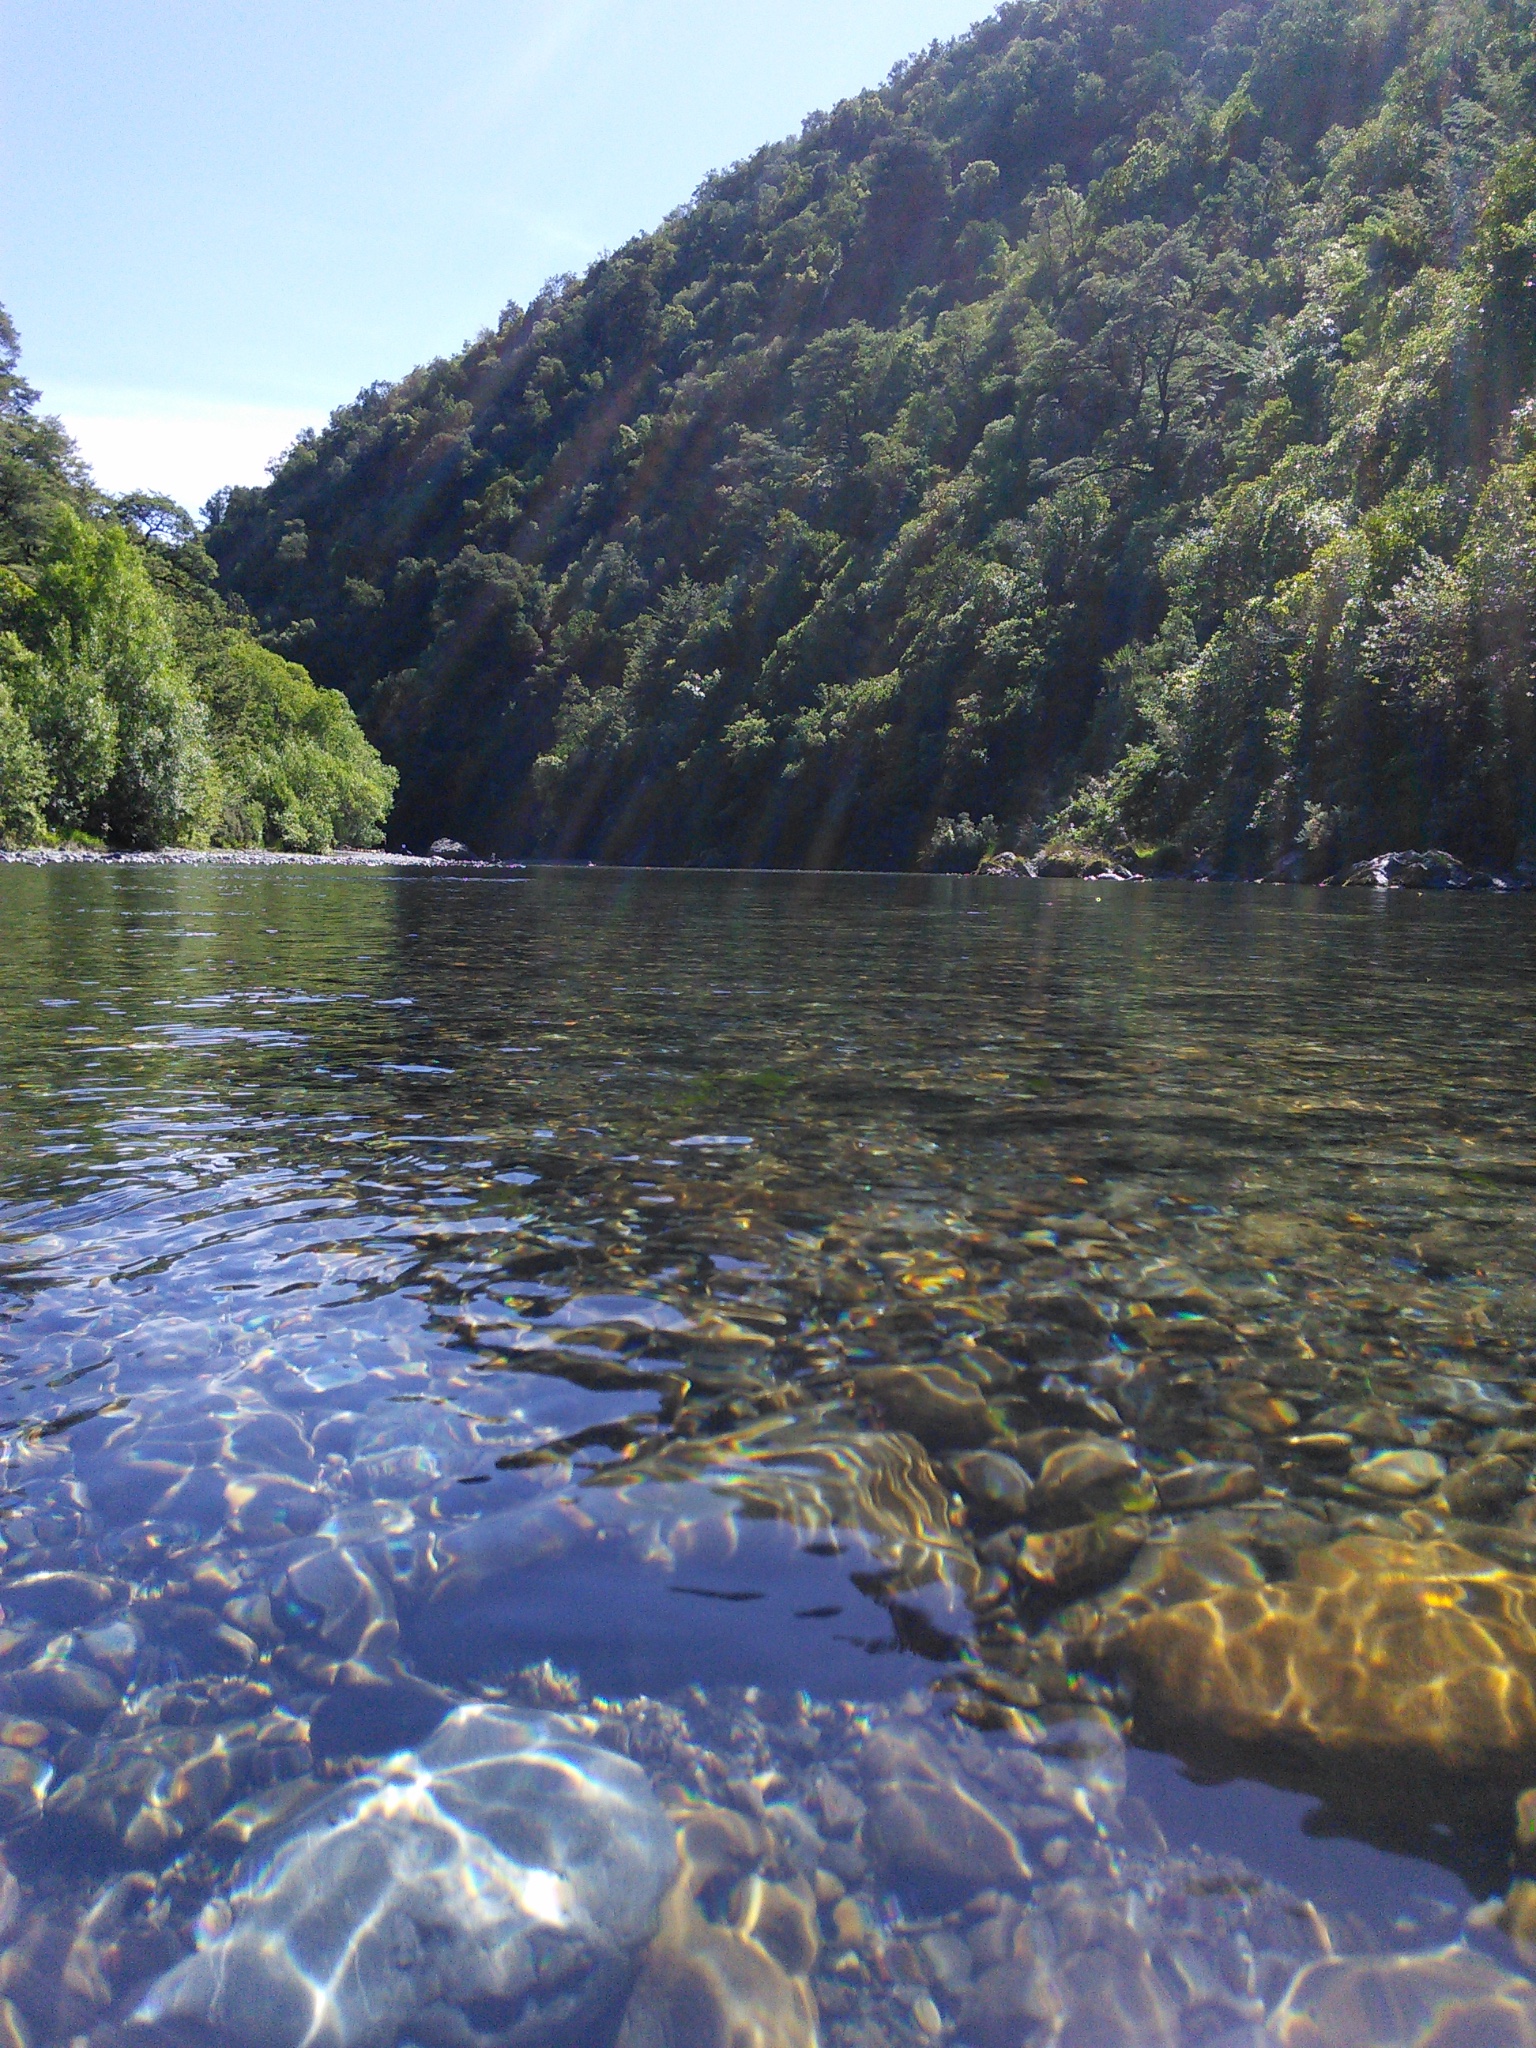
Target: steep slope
[[1116, 423]]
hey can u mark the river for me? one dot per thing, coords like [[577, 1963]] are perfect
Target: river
[[876, 1353]]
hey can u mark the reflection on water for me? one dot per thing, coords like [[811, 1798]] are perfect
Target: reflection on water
[[856, 1348]]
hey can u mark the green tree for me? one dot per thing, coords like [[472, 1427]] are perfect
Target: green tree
[[24, 778], [132, 706], [298, 773], [116, 713]]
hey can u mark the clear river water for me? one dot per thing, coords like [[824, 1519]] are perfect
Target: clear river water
[[1008, 1409]]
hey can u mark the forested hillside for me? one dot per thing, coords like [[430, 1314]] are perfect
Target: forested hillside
[[135, 709], [1117, 426]]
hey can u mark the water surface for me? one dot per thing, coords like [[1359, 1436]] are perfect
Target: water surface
[[541, 1247]]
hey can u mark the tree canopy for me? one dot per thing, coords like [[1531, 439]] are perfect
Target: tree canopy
[[134, 706], [1121, 422]]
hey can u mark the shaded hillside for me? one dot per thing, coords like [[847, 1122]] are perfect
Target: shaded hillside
[[1117, 423]]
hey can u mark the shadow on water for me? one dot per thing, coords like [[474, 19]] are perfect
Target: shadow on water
[[765, 1606], [1394, 1870]]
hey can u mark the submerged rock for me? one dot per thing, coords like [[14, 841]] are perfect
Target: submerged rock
[[817, 1476], [1084, 1480], [496, 1886], [741, 1984], [24, 1782], [62, 1683], [1207, 1485], [1515, 1914], [1399, 1656], [61, 1599], [1400, 1475], [150, 1783], [1178, 1953], [1064, 1563], [1451, 1998], [996, 1488], [1107, 1980], [939, 1406], [1484, 1489], [1469, 1400], [1012, 2005], [333, 1607], [924, 1826], [217, 1456]]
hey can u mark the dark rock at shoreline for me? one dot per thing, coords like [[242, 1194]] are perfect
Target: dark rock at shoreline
[[1058, 864], [1430, 869]]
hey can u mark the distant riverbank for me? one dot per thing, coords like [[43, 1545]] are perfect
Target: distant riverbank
[[231, 857], [1431, 871]]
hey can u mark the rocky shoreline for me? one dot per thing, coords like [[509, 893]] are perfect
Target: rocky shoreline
[[1430, 869], [234, 857], [1427, 868]]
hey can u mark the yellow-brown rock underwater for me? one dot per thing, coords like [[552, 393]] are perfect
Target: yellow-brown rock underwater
[[1378, 1653]]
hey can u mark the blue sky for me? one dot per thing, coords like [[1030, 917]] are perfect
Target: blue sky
[[223, 217]]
